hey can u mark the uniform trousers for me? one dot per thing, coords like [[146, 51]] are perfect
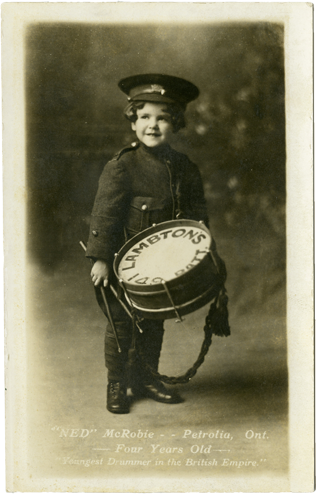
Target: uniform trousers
[[150, 343]]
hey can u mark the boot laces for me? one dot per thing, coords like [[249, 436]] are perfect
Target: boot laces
[[114, 387]]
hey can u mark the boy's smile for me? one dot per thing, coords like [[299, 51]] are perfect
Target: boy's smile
[[153, 126]]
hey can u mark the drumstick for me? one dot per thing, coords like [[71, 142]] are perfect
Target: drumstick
[[83, 245], [107, 307], [124, 306]]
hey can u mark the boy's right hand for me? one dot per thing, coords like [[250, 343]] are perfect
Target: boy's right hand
[[100, 273]]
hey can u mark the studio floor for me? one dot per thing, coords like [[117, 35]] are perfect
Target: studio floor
[[232, 422]]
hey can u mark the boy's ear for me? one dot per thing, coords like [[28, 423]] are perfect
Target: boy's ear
[[133, 126]]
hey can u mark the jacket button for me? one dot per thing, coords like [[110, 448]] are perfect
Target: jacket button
[[144, 207], [95, 233], [168, 162], [134, 144]]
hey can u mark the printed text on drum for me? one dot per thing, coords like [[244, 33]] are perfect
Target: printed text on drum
[[134, 253]]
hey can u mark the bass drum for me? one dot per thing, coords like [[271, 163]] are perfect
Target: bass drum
[[168, 270]]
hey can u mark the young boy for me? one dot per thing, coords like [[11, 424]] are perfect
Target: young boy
[[145, 183]]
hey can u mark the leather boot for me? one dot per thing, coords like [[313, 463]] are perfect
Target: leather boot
[[143, 383], [117, 401], [156, 391]]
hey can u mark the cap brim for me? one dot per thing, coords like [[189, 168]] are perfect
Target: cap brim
[[179, 90], [157, 98]]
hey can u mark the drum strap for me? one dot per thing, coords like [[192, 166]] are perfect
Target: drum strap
[[216, 322]]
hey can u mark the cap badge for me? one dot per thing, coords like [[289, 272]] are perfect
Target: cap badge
[[156, 88]]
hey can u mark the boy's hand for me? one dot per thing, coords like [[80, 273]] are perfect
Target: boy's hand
[[100, 273]]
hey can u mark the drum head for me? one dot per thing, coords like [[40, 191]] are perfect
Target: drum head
[[167, 269], [164, 254]]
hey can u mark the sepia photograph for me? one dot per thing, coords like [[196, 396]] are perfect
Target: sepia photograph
[[156, 298]]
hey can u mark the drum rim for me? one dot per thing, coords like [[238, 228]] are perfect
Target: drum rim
[[178, 307], [143, 234]]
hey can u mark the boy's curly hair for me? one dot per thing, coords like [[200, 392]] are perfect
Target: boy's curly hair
[[175, 112]]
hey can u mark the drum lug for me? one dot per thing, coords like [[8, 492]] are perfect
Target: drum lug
[[180, 319]]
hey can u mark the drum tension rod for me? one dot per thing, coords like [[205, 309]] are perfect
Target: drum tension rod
[[180, 319], [210, 253], [130, 302], [125, 308]]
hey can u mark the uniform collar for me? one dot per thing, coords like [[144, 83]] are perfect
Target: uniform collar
[[160, 152]]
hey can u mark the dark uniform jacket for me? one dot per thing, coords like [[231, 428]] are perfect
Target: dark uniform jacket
[[139, 187]]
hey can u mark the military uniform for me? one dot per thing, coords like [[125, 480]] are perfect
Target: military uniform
[[137, 188], [141, 186]]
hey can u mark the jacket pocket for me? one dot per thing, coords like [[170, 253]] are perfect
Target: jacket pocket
[[144, 211]]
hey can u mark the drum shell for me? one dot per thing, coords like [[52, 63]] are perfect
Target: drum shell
[[189, 291]]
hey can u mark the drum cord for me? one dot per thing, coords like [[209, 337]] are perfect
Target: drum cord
[[210, 321], [216, 322]]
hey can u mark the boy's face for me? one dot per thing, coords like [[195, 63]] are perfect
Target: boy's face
[[153, 126]]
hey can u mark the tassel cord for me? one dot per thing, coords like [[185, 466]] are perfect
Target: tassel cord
[[185, 378]]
